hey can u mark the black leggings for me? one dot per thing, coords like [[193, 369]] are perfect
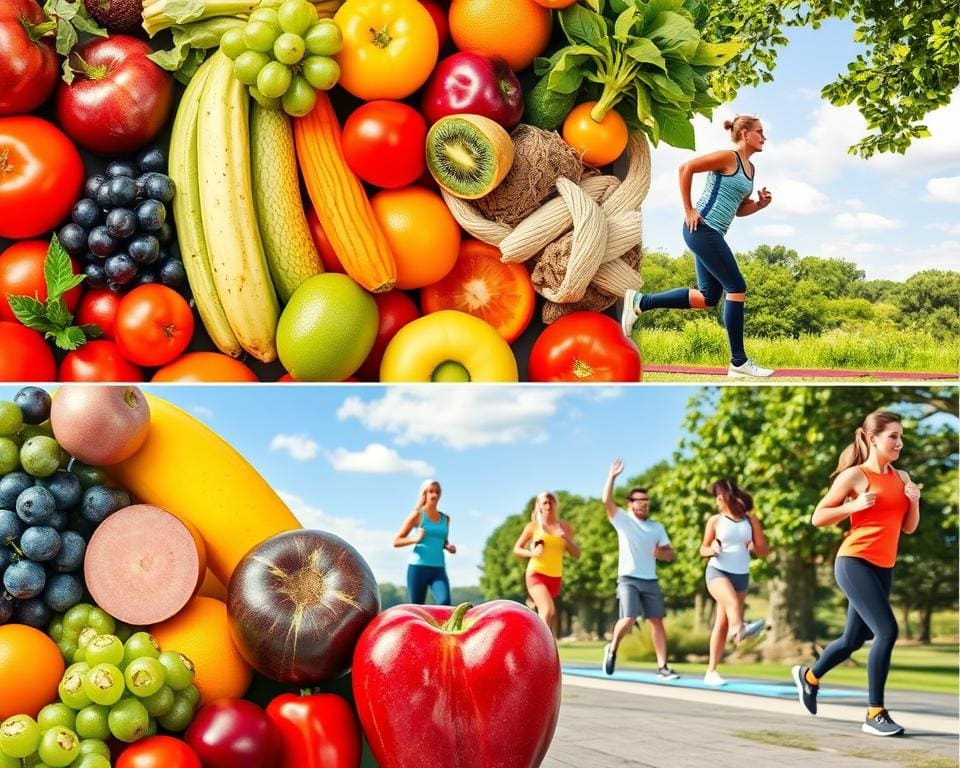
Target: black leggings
[[867, 587]]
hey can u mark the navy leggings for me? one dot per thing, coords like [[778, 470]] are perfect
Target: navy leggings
[[434, 577], [867, 587]]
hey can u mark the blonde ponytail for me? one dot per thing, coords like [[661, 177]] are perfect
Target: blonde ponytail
[[857, 452]]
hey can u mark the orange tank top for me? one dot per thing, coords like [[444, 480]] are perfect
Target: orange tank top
[[875, 533]]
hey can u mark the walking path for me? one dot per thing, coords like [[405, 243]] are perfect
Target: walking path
[[807, 373]]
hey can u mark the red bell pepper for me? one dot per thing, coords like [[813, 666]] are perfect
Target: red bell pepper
[[318, 730], [473, 687]]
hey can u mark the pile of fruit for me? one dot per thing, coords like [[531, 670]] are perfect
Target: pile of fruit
[[206, 607], [388, 113]]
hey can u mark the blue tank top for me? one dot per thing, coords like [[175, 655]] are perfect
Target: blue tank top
[[723, 195], [429, 550]]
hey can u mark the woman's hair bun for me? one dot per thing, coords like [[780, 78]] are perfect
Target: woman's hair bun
[[727, 125]]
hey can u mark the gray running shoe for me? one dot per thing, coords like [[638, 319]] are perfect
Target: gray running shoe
[[806, 692], [753, 629], [609, 659], [881, 725], [665, 673], [628, 317]]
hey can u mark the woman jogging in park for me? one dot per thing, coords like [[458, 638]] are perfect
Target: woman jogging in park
[[428, 530], [730, 537], [726, 195], [880, 502], [550, 538]]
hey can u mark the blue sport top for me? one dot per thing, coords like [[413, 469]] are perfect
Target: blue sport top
[[723, 195], [429, 550]]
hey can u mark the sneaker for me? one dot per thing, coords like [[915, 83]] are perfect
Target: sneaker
[[628, 317], [753, 629], [609, 659], [881, 725], [713, 678], [748, 370], [665, 673], [735, 636], [806, 692]]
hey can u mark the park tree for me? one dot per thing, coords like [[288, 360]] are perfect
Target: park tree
[[929, 299], [836, 277]]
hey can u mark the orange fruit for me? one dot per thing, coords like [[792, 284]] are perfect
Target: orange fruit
[[30, 670], [204, 366], [517, 30], [484, 286], [200, 633], [598, 143], [422, 233]]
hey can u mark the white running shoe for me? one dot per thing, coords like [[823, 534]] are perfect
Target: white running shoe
[[749, 370], [628, 317], [713, 678]]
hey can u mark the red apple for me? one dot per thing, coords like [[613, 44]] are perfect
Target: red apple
[[476, 84]]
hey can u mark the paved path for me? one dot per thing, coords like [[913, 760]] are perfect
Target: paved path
[[608, 723], [807, 373]]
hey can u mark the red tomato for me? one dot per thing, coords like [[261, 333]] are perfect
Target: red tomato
[[158, 752], [41, 175], [383, 143], [21, 274], [484, 286], [98, 360], [154, 325], [24, 356], [584, 346], [439, 15], [396, 309], [331, 262], [29, 67], [205, 366], [99, 307]]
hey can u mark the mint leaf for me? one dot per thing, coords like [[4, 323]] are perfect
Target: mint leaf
[[58, 314], [58, 271], [68, 338], [29, 311]]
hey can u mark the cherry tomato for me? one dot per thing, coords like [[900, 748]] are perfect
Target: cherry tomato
[[205, 366], [331, 262], [158, 752], [98, 360], [24, 356], [154, 325], [383, 143], [439, 15], [584, 346], [29, 66], [395, 310], [598, 143], [41, 175], [99, 307], [21, 274]]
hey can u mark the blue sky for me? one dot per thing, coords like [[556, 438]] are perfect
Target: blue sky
[[893, 215]]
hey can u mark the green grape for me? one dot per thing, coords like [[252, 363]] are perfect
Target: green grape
[[160, 703], [19, 736], [231, 43], [262, 100], [138, 645], [189, 694], [40, 456], [179, 669], [273, 80], [11, 417], [179, 717], [248, 66], [94, 747], [9, 762], [128, 720], [144, 676], [71, 688], [10, 452], [260, 36], [57, 714], [91, 761], [266, 14], [59, 747], [88, 475], [323, 38], [321, 72], [92, 722], [151, 727], [104, 649], [104, 684], [300, 98], [296, 16], [289, 48]]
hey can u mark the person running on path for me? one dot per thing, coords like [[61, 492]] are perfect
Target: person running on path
[[726, 195], [880, 501], [642, 542], [428, 530], [729, 538], [550, 538]]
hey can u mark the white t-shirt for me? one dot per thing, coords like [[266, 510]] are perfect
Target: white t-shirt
[[638, 541], [734, 535]]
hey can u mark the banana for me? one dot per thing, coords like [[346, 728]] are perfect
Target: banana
[[291, 254], [187, 469], [229, 217], [186, 213]]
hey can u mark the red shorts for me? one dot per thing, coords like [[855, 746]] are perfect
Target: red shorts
[[552, 583]]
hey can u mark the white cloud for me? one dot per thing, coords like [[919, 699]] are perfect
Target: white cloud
[[378, 459], [945, 189], [775, 230], [946, 227], [864, 221], [203, 412], [300, 447], [854, 204], [796, 198], [883, 261]]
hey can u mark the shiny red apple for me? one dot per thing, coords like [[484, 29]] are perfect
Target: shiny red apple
[[473, 83]]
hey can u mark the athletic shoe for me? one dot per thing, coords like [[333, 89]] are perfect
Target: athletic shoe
[[881, 725], [628, 317], [713, 678], [806, 692], [749, 370], [665, 673], [753, 629], [609, 659]]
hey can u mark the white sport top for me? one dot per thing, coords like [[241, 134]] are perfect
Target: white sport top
[[734, 535]]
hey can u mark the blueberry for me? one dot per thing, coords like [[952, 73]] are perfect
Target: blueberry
[[121, 223], [99, 502], [11, 526], [123, 191], [119, 168], [40, 543], [100, 243], [165, 235], [11, 486], [150, 215], [6, 558], [63, 591], [59, 520], [72, 550], [34, 403], [93, 184], [173, 275], [73, 238], [96, 277], [65, 487], [24, 579], [6, 609], [151, 159], [80, 525], [144, 249], [34, 613], [35, 506], [146, 277], [120, 269], [160, 187], [87, 213]]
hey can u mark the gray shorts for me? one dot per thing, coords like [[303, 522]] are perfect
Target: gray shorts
[[640, 597], [740, 581]]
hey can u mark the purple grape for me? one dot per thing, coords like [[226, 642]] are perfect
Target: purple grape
[[24, 579]]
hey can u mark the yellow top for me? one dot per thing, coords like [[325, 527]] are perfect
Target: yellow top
[[550, 561]]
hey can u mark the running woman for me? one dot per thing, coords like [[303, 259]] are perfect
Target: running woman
[[880, 501], [428, 530], [726, 195]]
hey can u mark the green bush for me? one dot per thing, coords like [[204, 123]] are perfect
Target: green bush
[[682, 641]]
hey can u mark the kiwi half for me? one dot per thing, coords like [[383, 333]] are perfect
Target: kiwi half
[[468, 155]]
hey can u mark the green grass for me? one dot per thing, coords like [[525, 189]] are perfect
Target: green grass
[[781, 739], [907, 758]]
